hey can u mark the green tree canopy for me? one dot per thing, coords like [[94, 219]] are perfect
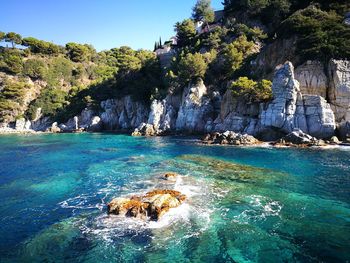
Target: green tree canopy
[[78, 52], [40, 46], [251, 90], [2, 36], [11, 61], [202, 11], [14, 38], [186, 31], [192, 66], [34, 68]]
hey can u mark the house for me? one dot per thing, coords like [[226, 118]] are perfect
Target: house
[[347, 19], [202, 27], [167, 46]]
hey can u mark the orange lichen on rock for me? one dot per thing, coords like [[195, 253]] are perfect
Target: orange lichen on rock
[[170, 175], [153, 204]]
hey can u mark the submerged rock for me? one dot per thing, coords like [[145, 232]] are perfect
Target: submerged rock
[[152, 205], [170, 176]]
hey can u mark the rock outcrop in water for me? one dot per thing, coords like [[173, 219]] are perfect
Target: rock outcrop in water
[[231, 138], [152, 205], [298, 137]]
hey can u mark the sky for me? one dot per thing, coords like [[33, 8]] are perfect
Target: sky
[[103, 23]]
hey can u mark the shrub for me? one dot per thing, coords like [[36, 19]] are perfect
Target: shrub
[[251, 90], [11, 61], [186, 31], [192, 66], [11, 99], [79, 53], [51, 100], [34, 68], [59, 69]]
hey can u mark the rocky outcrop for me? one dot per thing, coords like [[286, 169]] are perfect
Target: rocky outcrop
[[231, 138], [195, 110], [235, 115], [339, 94], [145, 129], [298, 137], [163, 115], [153, 205], [312, 78], [170, 176], [319, 116], [291, 110], [273, 55]]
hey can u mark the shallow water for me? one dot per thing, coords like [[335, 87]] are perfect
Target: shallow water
[[244, 204]]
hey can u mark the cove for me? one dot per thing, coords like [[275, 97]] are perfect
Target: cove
[[245, 204]]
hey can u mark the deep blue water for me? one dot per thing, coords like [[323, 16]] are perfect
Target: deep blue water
[[244, 204]]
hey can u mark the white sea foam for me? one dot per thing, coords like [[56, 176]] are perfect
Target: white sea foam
[[260, 209]]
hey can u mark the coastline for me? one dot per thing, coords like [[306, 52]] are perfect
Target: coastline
[[197, 139]]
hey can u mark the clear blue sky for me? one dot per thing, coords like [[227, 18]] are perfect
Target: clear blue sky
[[103, 23]]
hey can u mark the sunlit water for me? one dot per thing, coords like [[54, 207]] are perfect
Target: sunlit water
[[244, 204]]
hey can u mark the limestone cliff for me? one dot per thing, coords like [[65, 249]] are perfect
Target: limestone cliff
[[295, 105]]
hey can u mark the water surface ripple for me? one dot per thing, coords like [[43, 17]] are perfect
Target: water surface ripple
[[244, 204]]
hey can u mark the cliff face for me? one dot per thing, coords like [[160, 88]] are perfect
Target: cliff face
[[339, 94], [290, 109], [295, 105]]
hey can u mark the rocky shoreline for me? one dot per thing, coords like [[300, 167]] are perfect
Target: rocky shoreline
[[297, 138], [297, 104]]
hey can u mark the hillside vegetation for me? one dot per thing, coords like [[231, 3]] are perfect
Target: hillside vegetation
[[66, 79]]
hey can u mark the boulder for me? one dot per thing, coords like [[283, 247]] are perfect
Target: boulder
[[334, 140], [95, 124], [229, 137], [298, 137], [54, 128], [20, 124], [152, 205], [145, 129]]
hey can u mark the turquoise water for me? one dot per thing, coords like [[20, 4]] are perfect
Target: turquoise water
[[244, 204]]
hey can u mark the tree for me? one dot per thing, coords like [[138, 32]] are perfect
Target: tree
[[202, 11], [51, 100], [14, 38], [42, 47], [192, 66], [77, 52], [186, 31], [2, 36], [232, 56], [251, 90], [13, 63], [11, 99], [321, 35]]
